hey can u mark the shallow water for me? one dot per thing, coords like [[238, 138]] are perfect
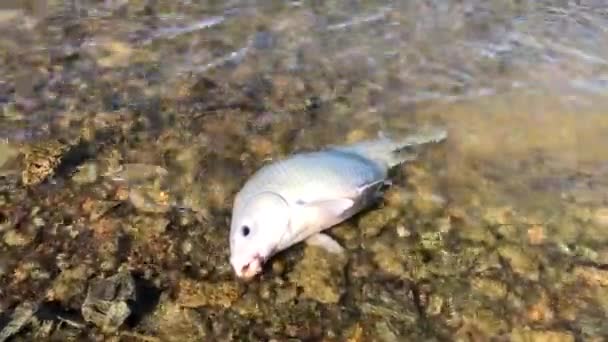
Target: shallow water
[[127, 127]]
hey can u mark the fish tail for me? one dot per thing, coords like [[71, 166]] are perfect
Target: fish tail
[[391, 152]]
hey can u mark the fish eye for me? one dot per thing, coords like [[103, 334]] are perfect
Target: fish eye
[[245, 230]]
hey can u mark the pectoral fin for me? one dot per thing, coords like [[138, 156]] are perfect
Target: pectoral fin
[[326, 242], [328, 209]]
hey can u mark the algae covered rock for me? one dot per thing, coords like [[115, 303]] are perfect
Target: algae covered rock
[[372, 223], [107, 301], [320, 274], [175, 323], [194, 294], [41, 160]]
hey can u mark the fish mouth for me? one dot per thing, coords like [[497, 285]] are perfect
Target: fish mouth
[[251, 269]]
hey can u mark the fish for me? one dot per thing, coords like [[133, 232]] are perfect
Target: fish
[[296, 198]]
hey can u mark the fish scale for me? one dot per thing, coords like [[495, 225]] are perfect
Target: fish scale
[[308, 175]]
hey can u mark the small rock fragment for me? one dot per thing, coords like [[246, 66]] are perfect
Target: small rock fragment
[[106, 302], [41, 160]]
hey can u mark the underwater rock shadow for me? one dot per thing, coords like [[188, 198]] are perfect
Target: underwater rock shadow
[[146, 300]]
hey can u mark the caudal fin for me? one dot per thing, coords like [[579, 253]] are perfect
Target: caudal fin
[[391, 152]]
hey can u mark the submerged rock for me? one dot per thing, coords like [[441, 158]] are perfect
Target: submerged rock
[[106, 302], [320, 274]]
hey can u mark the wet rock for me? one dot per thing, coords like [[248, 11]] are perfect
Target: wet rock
[[41, 160], [320, 274], [520, 261], [19, 319], [372, 223], [106, 304], [194, 294], [524, 335]]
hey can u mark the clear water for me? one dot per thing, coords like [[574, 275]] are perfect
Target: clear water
[[207, 91]]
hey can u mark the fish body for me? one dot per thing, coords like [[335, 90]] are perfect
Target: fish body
[[295, 199]]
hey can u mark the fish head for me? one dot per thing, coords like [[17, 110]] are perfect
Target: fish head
[[256, 230]]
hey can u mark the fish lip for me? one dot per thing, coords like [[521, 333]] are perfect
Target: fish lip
[[253, 268]]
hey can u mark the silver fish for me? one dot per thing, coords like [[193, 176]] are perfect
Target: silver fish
[[297, 198]]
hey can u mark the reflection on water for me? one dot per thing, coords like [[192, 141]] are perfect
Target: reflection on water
[[127, 127]]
